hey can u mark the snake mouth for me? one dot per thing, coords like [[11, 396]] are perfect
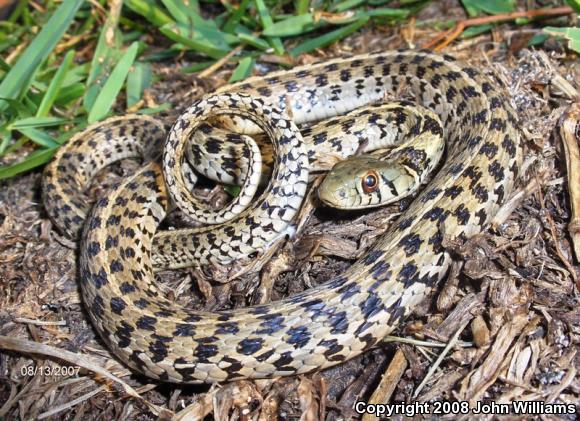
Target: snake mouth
[[335, 200], [331, 199]]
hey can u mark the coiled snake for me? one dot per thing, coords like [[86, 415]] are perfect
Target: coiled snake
[[319, 327]]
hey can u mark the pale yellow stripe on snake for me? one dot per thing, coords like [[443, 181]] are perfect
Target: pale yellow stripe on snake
[[345, 316]]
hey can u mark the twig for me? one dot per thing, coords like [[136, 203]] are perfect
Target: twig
[[214, 67], [40, 322], [418, 343], [570, 132], [559, 252], [389, 381], [72, 403], [443, 40], [439, 360]]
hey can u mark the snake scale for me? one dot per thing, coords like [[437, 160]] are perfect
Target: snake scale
[[317, 328]]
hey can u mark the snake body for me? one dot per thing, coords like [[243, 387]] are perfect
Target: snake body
[[327, 324]]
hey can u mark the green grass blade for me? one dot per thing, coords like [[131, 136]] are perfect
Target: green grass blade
[[166, 106], [571, 34], [55, 85], [106, 54], [475, 30], [8, 148], [345, 5], [493, 7], [254, 41], [177, 9], [5, 139], [194, 41], [150, 11], [243, 70], [294, 25], [5, 67], [574, 4], [207, 28], [26, 123], [70, 93], [35, 159], [39, 137], [234, 19], [18, 79], [113, 85], [267, 21], [302, 6], [384, 12], [137, 81], [21, 110], [329, 38]]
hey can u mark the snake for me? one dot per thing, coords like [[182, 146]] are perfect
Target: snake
[[120, 246]]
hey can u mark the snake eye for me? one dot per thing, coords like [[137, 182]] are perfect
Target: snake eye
[[370, 182]]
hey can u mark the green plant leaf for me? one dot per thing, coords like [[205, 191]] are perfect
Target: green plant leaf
[[383, 12], [493, 7], [16, 82], [574, 4], [107, 53], [177, 9], [150, 11], [254, 41], [329, 38], [571, 34], [70, 93], [475, 30], [209, 30], [538, 39], [160, 108], [243, 70], [22, 110], [194, 40], [232, 190], [302, 6], [137, 81], [294, 25], [267, 21], [39, 137], [5, 67], [113, 85], [30, 122], [55, 84], [235, 17], [345, 5], [35, 159]]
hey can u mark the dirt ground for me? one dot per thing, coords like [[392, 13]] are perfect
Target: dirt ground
[[506, 321]]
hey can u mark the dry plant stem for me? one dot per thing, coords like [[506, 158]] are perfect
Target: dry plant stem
[[29, 347], [214, 67], [383, 392], [443, 40], [72, 403], [570, 132], [439, 360], [418, 343], [554, 234], [516, 200], [40, 322]]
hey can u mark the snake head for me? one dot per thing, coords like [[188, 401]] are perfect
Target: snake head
[[354, 183]]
